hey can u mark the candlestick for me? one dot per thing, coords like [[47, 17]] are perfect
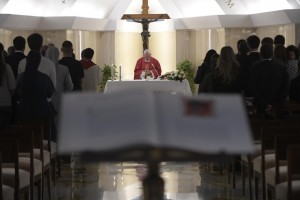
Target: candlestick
[[120, 73], [112, 72]]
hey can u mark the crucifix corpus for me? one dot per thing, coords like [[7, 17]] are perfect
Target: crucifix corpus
[[145, 19]]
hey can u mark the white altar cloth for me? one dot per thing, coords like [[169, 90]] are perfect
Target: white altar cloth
[[149, 85]]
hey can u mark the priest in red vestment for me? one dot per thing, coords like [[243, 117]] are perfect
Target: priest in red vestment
[[147, 61]]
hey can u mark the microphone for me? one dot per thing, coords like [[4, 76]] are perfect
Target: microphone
[[155, 70]]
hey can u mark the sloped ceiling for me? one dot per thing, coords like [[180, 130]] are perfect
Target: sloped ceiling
[[106, 14]]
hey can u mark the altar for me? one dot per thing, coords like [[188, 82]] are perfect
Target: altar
[[149, 85]]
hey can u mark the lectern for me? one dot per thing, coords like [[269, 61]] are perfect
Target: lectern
[[153, 127]]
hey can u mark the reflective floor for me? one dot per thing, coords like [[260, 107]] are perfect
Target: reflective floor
[[123, 181]]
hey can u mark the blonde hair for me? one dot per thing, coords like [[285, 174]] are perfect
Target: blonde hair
[[227, 66]]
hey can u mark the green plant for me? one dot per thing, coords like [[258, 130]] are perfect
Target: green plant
[[106, 75], [189, 70]]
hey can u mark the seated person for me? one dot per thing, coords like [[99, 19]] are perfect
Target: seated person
[[147, 60], [147, 74]]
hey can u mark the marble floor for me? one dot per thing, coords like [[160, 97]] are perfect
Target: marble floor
[[122, 181]]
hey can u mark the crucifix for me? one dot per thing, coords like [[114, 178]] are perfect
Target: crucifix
[[145, 19]]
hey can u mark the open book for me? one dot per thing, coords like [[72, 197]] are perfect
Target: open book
[[209, 124]]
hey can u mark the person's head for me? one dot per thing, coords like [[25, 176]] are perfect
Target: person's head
[[19, 43], [147, 54], [242, 47], [279, 39], [280, 53], [67, 48], [53, 54], [82, 54], [227, 65], [35, 42], [267, 40], [1, 47], [10, 50], [292, 52], [2, 66], [88, 53], [4, 53], [51, 45], [253, 42], [44, 49], [214, 59], [239, 42], [209, 54], [266, 51]]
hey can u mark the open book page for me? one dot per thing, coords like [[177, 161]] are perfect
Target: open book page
[[204, 124], [97, 122]]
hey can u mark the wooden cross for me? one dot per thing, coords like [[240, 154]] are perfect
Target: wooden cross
[[145, 19]]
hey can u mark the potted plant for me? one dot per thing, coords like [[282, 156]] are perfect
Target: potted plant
[[106, 75], [187, 67]]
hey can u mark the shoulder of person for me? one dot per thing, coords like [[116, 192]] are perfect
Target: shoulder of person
[[23, 61], [62, 68], [78, 63], [44, 77], [47, 60]]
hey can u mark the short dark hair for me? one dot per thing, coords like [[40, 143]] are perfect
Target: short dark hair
[[266, 51], [293, 48], [253, 41], [1, 47], [67, 44], [88, 53], [267, 40], [279, 39], [35, 41], [19, 43]]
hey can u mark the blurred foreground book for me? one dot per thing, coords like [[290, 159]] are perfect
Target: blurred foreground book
[[206, 124]]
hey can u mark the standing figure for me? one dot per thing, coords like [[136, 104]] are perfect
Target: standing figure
[[75, 67], [63, 78], [226, 76], [34, 85], [92, 73], [13, 60], [147, 60], [268, 81], [204, 68], [7, 88]]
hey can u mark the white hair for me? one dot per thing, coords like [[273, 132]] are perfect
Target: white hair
[[147, 51]]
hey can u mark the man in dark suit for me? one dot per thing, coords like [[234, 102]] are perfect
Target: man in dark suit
[[75, 67], [268, 81], [246, 63], [13, 60]]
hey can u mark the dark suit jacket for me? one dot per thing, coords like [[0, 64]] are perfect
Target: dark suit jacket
[[269, 83], [295, 89], [13, 60], [246, 64]]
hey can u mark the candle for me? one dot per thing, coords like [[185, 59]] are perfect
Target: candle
[[120, 73], [112, 72]]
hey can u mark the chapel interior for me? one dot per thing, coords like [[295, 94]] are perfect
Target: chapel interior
[[194, 27]]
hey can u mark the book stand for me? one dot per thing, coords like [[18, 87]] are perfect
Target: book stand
[[152, 127], [153, 184]]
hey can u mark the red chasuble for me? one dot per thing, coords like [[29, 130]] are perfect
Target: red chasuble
[[141, 64]]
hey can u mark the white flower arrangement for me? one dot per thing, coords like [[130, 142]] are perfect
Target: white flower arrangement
[[175, 76]]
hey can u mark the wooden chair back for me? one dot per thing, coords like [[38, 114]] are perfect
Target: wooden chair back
[[293, 160], [268, 143], [9, 149], [25, 139], [1, 179], [281, 144]]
